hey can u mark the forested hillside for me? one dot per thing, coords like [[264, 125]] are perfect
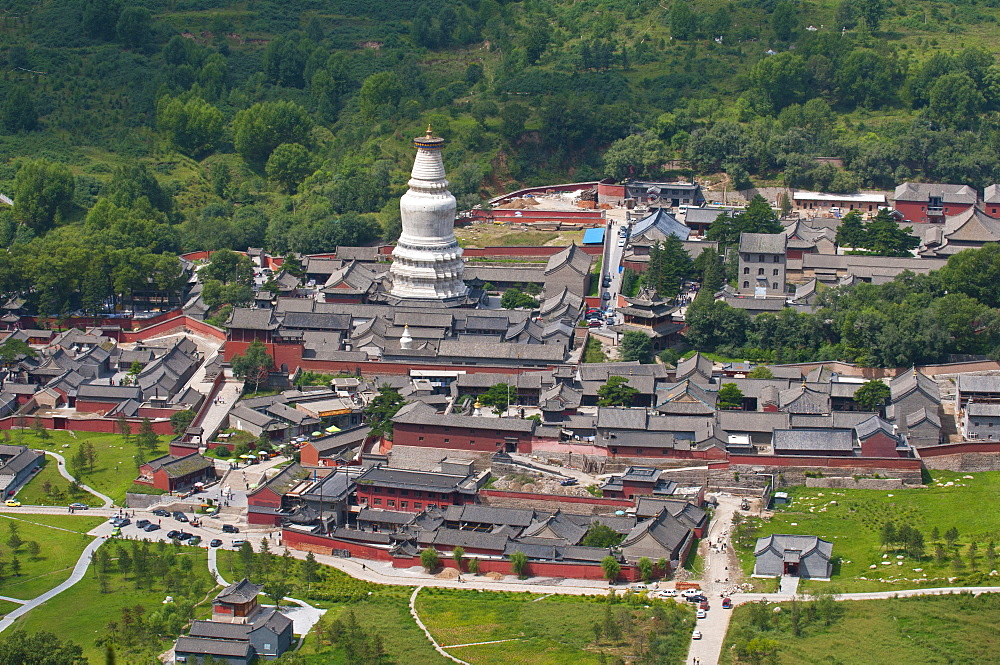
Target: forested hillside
[[135, 130]]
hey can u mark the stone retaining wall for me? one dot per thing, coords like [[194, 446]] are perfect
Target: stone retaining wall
[[964, 462], [845, 482]]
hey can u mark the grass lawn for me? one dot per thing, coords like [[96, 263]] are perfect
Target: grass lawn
[[556, 629], [544, 630], [945, 629], [58, 495], [594, 352], [83, 612], [852, 520], [113, 471], [59, 551]]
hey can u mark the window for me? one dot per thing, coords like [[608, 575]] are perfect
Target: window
[[776, 258], [391, 503], [420, 438], [421, 427], [976, 423], [472, 442], [447, 440], [760, 271], [638, 451], [377, 502], [417, 504], [403, 492], [775, 271], [746, 271], [403, 504], [390, 491], [432, 505], [746, 285], [614, 451], [774, 286], [665, 451], [415, 493], [760, 257]]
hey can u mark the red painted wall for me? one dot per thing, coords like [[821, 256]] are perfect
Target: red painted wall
[[863, 462], [368, 494], [912, 210], [323, 545], [611, 190], [106, 425], [879, 445], [458, 438], [265, 497], [959, 448], [565, 187]]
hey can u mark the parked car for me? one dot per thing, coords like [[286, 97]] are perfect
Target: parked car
[[621, 241], [606, 282], [142, 524], [702, 614], [727, 603], [194, 540], [704, 605], [688, 593], [160, 512], [121, 522], [594, 324], [239, 543], [116, 532], [180, 517], [173, 533], [215, 543], [78, 506], [696, 599], [230, 528], [566, 482], [149, 528], [12, 503], [638, 586], [696, 635], [606, 295], [184, 535]]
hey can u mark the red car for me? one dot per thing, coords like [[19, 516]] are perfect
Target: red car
[[727, 603], [703, 605]]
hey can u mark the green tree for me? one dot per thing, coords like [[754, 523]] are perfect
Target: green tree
[[288, 165], [14, 540], [781, 79], [499, 397], [194, 125], [730, 397], [872, 395], [310, 570], [712, 275], [41, 648], [43, 194], [458, 555], [635, 345], [13, 350], [253, 365], [888, 535], [683, 20], [146, 439], [646, 569], [474, 566], [871, 11], [783, 20], [381, 410], [955, 101], [851, 232], [636, 155], [134, 27], [380, 96], [19, 113], [181, 420], [277, 588], [616, 392], [258, 130], [951, 536], [612, 569], [519, 563], [601, 535], [884, 237], [430, 559], [515, 299], [761, 372]]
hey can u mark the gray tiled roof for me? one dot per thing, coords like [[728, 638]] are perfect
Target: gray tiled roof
[[252, 319], [240, 592], [613, 417], [820, 440], [763, 243], [921, 192], [417, 413], [205, 646], [409, 479], [178, 467]]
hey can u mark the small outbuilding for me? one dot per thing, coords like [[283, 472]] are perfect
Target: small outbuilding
[[782, 555]]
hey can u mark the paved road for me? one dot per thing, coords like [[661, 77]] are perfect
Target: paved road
[[229, 391], [717, 562], [61, 463]]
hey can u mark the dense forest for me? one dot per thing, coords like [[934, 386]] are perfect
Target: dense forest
[[131, 131]]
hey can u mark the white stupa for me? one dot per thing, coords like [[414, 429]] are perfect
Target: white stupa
[[427, 262]]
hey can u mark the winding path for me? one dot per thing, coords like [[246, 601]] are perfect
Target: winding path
[[421, 626], [61, 465], [79, 570]]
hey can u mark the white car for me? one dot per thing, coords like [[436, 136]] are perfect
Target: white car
[[687, 593], [621, 242], [702, 614], [696, 635], [638, 586]]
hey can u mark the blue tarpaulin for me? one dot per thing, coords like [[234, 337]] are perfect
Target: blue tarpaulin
[[593, 236]]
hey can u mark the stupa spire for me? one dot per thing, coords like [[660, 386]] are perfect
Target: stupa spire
[[427, 261]]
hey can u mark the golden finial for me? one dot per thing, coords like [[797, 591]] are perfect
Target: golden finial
[[429, 132]]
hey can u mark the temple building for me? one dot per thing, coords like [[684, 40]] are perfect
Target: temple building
[[427, 261]]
